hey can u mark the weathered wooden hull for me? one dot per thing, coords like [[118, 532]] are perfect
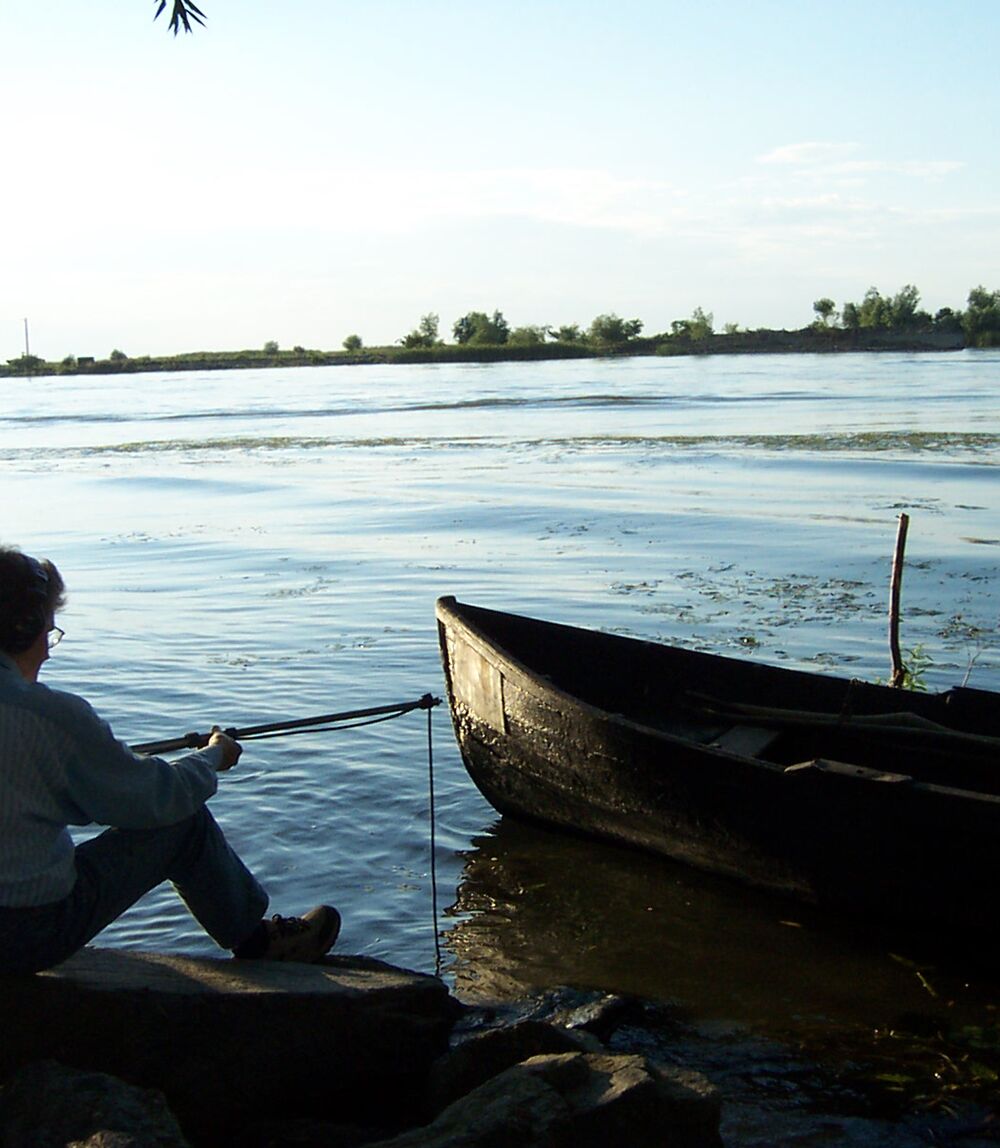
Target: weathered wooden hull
[[611, 736]]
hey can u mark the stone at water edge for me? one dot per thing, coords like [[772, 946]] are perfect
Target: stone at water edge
[[48, 1104], [578, 1100], [230, 1042], [483, 1055]]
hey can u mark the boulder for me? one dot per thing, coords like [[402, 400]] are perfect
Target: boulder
[[46, 1105], [486, 1054], [578, 1100], [231, 1042], [600, 1014]]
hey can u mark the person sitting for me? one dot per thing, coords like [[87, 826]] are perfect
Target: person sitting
[[61, 765]]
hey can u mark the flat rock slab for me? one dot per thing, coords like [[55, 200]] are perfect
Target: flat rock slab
[[235, 1041]]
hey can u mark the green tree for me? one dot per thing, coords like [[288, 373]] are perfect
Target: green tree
[[874, 311], [478, 329], [270, 347], [899, 312], [698, 327], [611, 331], [117, 356], [570, 333], [353, 343], [825, 310], [527, 336], [702, 324], [981, 321], [425, 334], [948, 320], [903, 313]]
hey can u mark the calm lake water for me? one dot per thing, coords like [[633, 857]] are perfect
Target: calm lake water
[[250, 546]]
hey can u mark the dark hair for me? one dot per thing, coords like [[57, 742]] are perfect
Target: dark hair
[[31, 590]]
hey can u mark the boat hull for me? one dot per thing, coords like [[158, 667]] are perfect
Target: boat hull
[[533, 707]]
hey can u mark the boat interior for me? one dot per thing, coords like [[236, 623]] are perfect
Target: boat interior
[[776, 715]]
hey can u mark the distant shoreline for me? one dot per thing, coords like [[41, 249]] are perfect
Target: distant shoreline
[[809, 340]]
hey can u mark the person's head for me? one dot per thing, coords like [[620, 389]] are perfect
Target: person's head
[[31, 591]]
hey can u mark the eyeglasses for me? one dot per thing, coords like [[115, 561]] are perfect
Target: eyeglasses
[[55, 637]]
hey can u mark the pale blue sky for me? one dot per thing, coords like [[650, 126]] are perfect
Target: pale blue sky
[[304, 171]]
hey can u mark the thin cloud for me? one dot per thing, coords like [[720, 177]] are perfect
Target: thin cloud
[[835, 161], [808, 154], [578, 197], [363, 200], [919, 169], [397, 201]]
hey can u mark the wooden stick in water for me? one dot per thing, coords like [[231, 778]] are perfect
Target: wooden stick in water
[[898, 669]]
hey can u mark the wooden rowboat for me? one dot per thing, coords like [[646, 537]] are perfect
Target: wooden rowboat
[[840, 792]]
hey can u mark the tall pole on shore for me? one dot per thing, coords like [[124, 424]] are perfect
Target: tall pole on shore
[[27, 350]]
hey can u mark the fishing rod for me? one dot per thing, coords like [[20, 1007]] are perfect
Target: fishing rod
[[295, 725]]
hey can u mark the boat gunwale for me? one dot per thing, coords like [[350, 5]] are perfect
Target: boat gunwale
[[494, 654], [452, 614]]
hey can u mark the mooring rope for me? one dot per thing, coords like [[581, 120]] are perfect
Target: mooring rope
[[433, 820], [326, 723], [408, 708], [430, 788]]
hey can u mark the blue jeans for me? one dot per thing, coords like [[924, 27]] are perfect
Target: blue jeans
[[115, 869]]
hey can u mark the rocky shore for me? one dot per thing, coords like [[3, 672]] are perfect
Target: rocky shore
[[118, 1049]]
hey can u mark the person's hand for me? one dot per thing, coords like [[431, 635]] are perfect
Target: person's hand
[[231, 750]]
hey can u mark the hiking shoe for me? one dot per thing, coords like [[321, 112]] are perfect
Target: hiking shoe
[[306, 938]]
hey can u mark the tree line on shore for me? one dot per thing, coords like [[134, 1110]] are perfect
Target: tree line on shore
[[979, 323], [873, 323]]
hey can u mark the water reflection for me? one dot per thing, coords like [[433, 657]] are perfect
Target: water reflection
[[541, 909]]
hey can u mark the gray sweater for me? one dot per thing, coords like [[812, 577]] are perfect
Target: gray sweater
[[61, 765]]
